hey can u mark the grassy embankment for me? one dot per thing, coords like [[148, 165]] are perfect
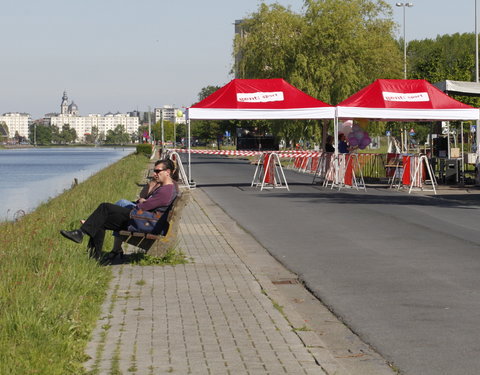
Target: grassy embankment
[[50, 290]]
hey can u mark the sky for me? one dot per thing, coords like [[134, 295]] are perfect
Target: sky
[[119, 55]]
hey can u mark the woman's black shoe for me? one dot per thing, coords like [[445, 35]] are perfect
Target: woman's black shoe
[[73, 235]]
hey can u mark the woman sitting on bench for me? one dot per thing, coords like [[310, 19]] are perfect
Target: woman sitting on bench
[[162, 192]]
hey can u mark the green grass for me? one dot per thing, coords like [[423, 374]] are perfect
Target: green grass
[[50, 290], [304, 328], [171, 257]]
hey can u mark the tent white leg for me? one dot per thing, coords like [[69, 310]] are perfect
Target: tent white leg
[[256, 169], [189, 153], [281, 170], [335, 140]]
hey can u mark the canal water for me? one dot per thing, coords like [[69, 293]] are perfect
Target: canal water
[[30, 176]]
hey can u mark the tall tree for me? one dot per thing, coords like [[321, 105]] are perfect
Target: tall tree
[[117, 136], [42, 134], [167, 130], [56, 135], [3, 130], [92, 137], [332, 50], [445, 57], [269, 47], [68, 134], [207, 91], [270, 43]]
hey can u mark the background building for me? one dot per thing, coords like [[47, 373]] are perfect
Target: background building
[[69, 114], [17, 123], [169, 114]]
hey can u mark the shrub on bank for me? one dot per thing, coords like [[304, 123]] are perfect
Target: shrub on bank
[[50, 290], [145, 149]]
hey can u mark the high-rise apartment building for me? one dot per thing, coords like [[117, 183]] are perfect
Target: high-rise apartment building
[[170, 113], [17, 123]]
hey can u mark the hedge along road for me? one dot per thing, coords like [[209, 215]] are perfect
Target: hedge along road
[[403, 271]]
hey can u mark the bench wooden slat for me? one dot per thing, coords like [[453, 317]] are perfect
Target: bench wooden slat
[[152, 236], [139, 234]]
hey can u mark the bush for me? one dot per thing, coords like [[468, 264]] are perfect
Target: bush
[[145, 148]]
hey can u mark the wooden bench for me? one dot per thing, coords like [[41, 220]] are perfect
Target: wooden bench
[[167, 228]]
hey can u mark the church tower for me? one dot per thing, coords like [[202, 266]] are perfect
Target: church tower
[[64, 105]]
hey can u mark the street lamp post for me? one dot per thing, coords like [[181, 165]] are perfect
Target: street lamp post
[[477, 134], [163, 133], [149, 126], [476, 44], [404, 5]]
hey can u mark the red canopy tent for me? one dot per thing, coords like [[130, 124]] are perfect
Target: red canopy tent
[[404, 99], [256, 99]]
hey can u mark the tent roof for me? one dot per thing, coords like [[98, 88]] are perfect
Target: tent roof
[[260, 99], [402, 99], [459, 87]]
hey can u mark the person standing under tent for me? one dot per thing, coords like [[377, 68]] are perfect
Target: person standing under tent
[[328, 144], [343, 147]]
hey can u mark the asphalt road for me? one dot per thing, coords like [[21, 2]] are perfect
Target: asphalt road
[[403, 271]]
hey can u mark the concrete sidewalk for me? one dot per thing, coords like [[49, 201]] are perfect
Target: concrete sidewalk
[[232, 310]]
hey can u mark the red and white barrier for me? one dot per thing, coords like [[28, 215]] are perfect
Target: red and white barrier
[[413, 171], [269, 172], [402, 170], [282, 154], [321, 167], [345, 171], [421, 170]]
